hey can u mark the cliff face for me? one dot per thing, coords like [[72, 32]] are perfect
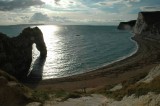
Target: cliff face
[[126, 25], [148, 25], [16, 52]]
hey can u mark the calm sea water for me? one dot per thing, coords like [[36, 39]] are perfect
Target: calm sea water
[[77, 49]]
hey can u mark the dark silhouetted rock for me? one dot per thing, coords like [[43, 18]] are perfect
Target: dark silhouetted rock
[[12, 93], [127, 25], [16, 52], [3, 80], [148, 25]]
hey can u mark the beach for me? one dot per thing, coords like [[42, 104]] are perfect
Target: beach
[[146, 57]]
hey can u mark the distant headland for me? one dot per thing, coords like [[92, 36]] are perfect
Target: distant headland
[[147, 25]]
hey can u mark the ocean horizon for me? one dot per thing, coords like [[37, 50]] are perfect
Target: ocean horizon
[[76, 49]]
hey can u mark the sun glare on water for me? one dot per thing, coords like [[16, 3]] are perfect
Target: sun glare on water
[[49, 32], [52, 40]]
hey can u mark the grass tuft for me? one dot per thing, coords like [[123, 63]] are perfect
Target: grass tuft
[[40, 96]]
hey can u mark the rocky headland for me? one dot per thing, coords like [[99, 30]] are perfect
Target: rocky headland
[[16, 52], [126, 25]]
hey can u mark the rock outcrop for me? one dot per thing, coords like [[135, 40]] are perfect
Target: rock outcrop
[[12, 93], [151, 99], [148, 25], [16, 52], [127, 25]]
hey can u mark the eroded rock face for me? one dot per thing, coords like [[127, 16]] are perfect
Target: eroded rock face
[[16, 52], [148, 25], [127, 25]]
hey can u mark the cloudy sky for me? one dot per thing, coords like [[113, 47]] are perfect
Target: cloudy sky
[[85, 12]]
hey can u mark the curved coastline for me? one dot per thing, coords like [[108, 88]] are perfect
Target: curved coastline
[[123, 57], [146, 57], [106, 64], [118, 60]]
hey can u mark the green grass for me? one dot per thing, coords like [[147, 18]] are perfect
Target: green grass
[[61, 95], [66, 95], [71, 95], [40, 96]]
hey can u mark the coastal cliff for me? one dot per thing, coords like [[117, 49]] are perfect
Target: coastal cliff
[[16, 52], [148, 25], [127, 25], [146, 90], [137, 77]]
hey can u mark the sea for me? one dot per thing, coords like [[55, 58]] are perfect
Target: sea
[[76, 49]]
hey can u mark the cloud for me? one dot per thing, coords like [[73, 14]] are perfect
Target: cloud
[[44, 18], [10, 18], [110, 3], [68, 11], [115, 2], [150, 8], [64, 5], [57, 2], [132, 0], [39, 17], [59, 19], [9, 5]]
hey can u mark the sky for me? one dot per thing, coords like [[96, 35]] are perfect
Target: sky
[[73, 12]]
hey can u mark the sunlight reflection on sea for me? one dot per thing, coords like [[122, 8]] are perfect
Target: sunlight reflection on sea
[[77, 49]]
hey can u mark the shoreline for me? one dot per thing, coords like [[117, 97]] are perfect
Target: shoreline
[[105, 64], [142, 61], [112, 62]]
